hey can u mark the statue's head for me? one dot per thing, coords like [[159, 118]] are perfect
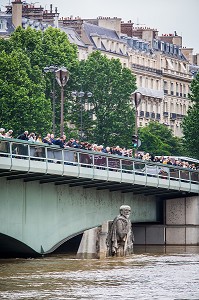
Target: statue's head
[[125, 211]]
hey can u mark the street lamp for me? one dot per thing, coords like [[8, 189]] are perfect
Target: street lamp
[[62, 76], [52, 69], [80, 95], [136, 97]]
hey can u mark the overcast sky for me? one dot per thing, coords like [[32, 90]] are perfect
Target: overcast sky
[[166, 16]]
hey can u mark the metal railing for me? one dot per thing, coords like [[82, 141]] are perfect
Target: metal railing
[[33, 152]]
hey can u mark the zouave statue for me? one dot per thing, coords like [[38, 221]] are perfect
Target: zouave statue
[[120, 237]]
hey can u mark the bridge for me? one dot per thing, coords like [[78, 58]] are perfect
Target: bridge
[[50, 194]]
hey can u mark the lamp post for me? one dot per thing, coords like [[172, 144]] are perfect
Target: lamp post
[[80, 95], [52, 69], [62, 76], [136, 97]]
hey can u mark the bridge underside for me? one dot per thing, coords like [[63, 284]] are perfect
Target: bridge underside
[[87, 183], [40, 211], [11, 247]]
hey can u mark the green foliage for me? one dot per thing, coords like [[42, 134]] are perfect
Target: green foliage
[[158, 139], [22, 101], [111, 86], [23, 84], [190, 130], [190, 123], [194, 90]]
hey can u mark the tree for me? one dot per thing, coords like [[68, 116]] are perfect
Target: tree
[[110, 119], [158, 139], [26, 93], [23, 105], [190, 122]]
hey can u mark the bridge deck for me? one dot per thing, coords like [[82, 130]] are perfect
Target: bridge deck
[[19, 159]]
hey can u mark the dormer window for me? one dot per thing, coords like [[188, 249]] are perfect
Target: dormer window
[[3, 25]]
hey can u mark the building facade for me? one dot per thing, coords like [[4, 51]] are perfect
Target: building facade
[[163, 68]]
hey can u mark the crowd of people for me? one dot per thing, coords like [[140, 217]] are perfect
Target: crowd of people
[[116, 150]]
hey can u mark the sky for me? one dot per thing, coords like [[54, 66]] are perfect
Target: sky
[[166, 16]]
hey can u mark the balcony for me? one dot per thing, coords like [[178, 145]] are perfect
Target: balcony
[[148, 69], [179, 116]]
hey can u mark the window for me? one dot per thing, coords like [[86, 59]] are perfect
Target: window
[[177, 89], [171, 87], [146, 82], [165, 87], [165, 106], [3, 26], [157, 84], [140, 80], [152, 83]]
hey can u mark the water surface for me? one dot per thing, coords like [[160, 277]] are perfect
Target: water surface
[[150, 273]]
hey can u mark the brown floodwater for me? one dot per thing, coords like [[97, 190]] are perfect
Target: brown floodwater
[[150, 273]]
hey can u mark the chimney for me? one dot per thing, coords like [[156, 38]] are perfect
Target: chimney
[[56, 18], [17, 13]]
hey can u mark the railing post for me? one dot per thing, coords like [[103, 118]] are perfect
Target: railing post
[[133, 172], [107, 169], [62, 152], [28, 157], [46, 157], [93, 161], [11, 158], [78, 162], [120, 170]]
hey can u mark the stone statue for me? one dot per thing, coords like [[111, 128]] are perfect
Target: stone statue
[[120, 237]]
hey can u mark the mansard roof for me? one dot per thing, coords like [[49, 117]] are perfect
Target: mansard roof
[[8, 27], [73, 36], [91, 29]]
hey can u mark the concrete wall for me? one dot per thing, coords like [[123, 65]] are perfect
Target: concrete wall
[[181, 225], [44, 215], [182, 221]]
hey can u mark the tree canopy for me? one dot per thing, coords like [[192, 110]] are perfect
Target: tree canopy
[[158, 139], [25, 96], [190, 123], [23, 104], [110, 119]]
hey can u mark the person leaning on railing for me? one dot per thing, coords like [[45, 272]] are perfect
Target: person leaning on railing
[[3, 145]]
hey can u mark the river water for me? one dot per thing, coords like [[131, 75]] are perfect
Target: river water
[[150, 273]]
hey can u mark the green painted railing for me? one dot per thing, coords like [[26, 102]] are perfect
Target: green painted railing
[[52, 154]]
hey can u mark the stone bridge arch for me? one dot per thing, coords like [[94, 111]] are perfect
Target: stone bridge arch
[[44, 215]]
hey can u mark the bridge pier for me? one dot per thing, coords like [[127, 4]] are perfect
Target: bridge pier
[[182, 221], [180, 226]]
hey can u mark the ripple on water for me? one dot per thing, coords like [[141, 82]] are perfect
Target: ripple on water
[[143, 276]]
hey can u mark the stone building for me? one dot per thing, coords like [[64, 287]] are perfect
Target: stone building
[[29, 15], [163, 68]]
